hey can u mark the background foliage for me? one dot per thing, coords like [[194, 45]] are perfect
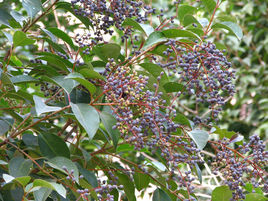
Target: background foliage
[[58, 137]]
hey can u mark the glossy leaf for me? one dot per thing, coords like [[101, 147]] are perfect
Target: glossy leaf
[[224, 133], [4, 127], [60, 163], [221, 193], [4, 17], [32, 7], [79, 78], [232, 27], [175, 33], [173, 87], [91, 74], [210, 5], [18, 166], [128, 186], [109, 50], [200, 137], [109, 121], [88, 175], [62, 35], [51, 185], [66, 84], [255, 197], [42, 194], [141, 180], [155, 70], [88, 117], [41, 107], [185, 9], [20, 39], [155, 38], [147, 29], [160, 195], [23, 180], [52, 145]]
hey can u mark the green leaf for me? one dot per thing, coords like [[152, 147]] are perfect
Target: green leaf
[[200, 137], [173, 87], [88, 117], [66, 84], [224, 133], [232, 27], [175, 33], [155, 70], [41, 107], [62, 35], [51, 185], [68, 7], [79, 96], [155, 38], [23, 180], [189, 19], [29, 139], [6, 80], [4, 127], [145, 28], [42, 194], [79, 78], [221, 193], [91, 74], [141, 180], [18, 166], [199, 173], [32, 7], [128, 186], [109, 121], [160, 195], [255, 197], [184, 9], [20, 39], [60, 163], [88, 175], [55, 61], [105, 51], [52, 145], [210, 5], [4, 17]]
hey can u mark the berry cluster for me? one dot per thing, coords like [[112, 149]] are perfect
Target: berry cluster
[[203, 70], [144, 121], [234, 166], [103, 15], [50, 89]]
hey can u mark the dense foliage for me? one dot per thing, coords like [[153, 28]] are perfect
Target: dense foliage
[[121, 99]]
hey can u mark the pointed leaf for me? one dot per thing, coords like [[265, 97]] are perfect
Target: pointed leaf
[[62, 35], [62, 163], [210, 5], [109, 121], [141, 180], [88, 117], [52, 145], [32, 7], [155, 70], [221, 193], [20, 39], [66, 84], [185, 10], [41, 107], [18, 166], [42, 194], [155, 38], [200, 137], [79, 78], [110, 50], [160, 195], [175, 33], [232, 27]]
